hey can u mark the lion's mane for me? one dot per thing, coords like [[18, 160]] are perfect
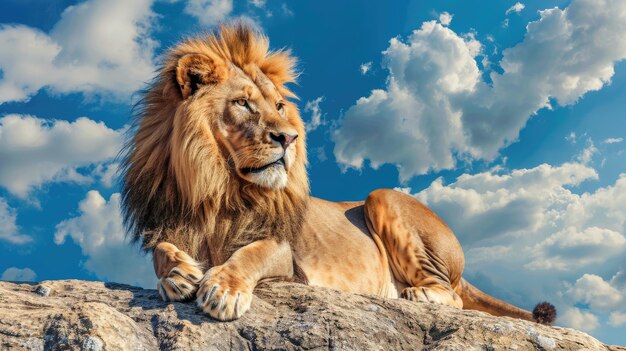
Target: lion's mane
[[177, 183]]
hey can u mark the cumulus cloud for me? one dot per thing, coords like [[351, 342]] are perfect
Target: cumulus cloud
[[613, 140], [365, 67], [212, 12], [487, 254], [436, 107], [571, 137], [107, 172], [489, 205], [99, 232], [517, 8], [581, 320], [617, 319], [98, 47], [313, 107], [530, 225], [19, 274], [400, 125], [535, 211], [619, 279], [258, 3], [320, 154], [35, 151], [9, 231], [596, 292], [445, 18], [588, 152], [570, 248], [286, 10]]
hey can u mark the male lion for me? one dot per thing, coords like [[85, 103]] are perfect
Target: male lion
[[215, 176]]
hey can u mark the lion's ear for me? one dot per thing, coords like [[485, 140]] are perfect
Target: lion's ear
[[196, 70]]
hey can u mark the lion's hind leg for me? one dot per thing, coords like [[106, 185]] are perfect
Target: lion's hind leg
[[435, 293], [423, 253], [178, 273]]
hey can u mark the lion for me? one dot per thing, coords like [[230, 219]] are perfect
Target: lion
[[215, 185]]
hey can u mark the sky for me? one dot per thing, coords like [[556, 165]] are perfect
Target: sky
[[507, 118]]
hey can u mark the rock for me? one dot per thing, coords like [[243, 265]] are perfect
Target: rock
[[81, 315], [42, 290]]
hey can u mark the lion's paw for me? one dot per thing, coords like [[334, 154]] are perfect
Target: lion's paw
[[181, 282], [433, 295], [223, 295]]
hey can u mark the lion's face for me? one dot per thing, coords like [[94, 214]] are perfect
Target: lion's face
[[256, 129]]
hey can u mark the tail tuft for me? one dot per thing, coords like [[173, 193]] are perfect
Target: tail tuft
[[544, 313]]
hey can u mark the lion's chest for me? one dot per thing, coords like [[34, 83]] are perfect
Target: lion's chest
[[335, 250]]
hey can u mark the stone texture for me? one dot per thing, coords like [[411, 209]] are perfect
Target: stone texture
[[81, 315]]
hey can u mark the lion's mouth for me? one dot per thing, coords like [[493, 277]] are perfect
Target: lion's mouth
[[279, 162]]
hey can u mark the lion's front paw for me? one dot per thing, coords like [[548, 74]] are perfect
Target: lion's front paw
[[180, 283], [224, 295]]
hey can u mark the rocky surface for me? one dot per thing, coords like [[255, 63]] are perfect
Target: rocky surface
[[80, 315]]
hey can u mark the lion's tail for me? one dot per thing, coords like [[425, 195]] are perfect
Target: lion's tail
[[474, 299]]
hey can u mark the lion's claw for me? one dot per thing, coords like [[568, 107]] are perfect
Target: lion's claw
[[222, 295], [180, 283]]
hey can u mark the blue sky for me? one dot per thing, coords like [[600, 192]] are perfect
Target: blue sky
[[506, 118]]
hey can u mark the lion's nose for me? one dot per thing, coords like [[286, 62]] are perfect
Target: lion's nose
[[283, 139]]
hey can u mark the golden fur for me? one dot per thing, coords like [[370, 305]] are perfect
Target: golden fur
[[215, 176], [178, 185]]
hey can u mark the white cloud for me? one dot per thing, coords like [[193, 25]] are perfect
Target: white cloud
[[593, 290], [517, 8], [613, 140], [488, 205], [445, 18], [581, 320], [487, 254], [19, 274], [258, 3], [588, 152], [619, 280], [365, 67], [404, 190], [399, 125], [436, 107], [313, 107], [617, 319], [530, 225], [320, 154], [535, 212], [35, 151], [98, 47], [107, 172], [570, 248], [211, 12], [286, 10], [571, 137], [9, 231], [99, 232]]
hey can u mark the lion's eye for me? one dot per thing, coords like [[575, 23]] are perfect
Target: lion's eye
[[245, 104], [280, 106]]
